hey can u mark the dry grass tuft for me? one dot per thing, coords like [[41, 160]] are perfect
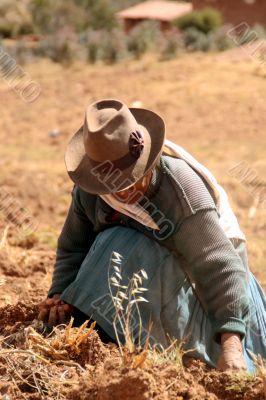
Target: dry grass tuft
[[174, 354], [63, 345], [136, 353], [45, 365], [140, 360], [127, 318]]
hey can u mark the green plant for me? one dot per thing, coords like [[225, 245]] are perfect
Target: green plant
[[194, 40], [122, 4], [100, 14], [61, 47], [143, 38], [113, 46], [21, 51], [15, 19], [206, 20], [50, 16], [221, 40], [109, 47], [94, 43], [169, 46], [41, 11], [239, 382]]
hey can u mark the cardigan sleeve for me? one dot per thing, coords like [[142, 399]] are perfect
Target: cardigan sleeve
[[74, 243], [220, 276]]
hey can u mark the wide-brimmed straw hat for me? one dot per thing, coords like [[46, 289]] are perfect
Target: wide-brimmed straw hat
[[115, 147]]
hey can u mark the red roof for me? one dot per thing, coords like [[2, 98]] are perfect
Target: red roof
[[156, 10]]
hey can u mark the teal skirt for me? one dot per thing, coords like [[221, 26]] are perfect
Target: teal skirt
[[170, 309]]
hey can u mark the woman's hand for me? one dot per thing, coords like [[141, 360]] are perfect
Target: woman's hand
[[232, 353], [54, 311]]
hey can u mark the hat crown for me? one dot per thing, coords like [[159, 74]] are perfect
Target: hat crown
[[108, 127], [115, 147]]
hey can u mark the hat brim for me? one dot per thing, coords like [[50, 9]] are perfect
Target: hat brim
[[104, 181]]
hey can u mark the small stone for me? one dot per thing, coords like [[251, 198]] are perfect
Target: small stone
[[54, 133]]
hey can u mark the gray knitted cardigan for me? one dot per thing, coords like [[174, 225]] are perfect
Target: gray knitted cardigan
[[181, 204]]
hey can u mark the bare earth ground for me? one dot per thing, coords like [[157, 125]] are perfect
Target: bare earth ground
[[214, 106]]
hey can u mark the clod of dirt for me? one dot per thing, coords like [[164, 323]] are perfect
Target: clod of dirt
[[234, 386], [13, 315], [5, 388], [130, 385], [21, 263], [9, 268]]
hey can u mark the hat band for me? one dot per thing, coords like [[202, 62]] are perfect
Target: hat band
[[120, 163]]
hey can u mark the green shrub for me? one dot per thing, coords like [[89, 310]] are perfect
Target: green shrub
[[114, 46], [195, 40], [61, 47], [41, 11], [122, 4], [143, 38], [15, 19], [49, 16], [94, 46], [169, 46], [100, 14], [21, 51], [206, 20], [221, 40], [109, 47]]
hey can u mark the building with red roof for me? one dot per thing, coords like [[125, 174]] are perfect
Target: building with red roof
[[162, 11]]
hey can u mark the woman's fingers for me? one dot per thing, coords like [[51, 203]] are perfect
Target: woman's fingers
[[49, 302], [232, 359], [68, 308], [52, 320], [225, 364], [43, 313], [61, 315], [53, 301], [54, 310]]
